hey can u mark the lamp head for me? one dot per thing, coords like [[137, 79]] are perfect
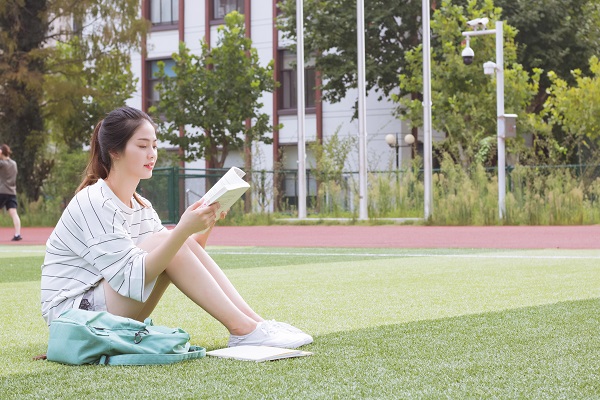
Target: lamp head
[[390, 139]]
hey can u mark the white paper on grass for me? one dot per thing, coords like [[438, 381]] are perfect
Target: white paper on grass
[[257, 353]]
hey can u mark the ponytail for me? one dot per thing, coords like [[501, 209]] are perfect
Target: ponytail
[[97, 168]]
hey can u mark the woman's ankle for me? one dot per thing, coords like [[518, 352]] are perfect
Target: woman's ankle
[[243, 328]]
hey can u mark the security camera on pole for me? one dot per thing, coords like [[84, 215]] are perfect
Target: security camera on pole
[[479, 28]]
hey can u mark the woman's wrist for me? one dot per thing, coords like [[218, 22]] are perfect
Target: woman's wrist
[[181, 233]]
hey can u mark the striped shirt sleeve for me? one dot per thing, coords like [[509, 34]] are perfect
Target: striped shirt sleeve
[[109, 246]]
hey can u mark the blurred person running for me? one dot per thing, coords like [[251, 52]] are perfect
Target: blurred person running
[[8, 188]]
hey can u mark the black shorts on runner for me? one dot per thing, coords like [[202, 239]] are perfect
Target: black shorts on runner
[[8, 200]]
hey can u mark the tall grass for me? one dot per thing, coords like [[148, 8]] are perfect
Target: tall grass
[[552, 197], [464, 197], [534, 196], [396, 193], [43, 212]]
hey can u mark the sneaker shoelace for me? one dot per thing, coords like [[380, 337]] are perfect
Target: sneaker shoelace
[[269, 328], [280, 326]]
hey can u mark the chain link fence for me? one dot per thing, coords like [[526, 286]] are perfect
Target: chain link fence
[[397, 193]]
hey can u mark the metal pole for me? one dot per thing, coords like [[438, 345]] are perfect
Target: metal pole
[[362, 117], [501, 122], [427, 130], [300, 110], [397, 146]]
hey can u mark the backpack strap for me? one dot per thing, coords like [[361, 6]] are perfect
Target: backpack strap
[[148, 359]]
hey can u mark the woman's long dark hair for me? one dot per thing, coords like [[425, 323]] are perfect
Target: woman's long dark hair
[[110, 137]]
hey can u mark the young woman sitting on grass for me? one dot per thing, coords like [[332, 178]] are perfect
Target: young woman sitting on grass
[[110, 251]]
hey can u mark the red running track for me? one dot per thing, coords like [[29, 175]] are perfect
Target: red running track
[[387, 236]]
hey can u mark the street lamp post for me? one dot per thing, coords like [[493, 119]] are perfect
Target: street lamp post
[[363, 211], [427, 125], [490, 68], [393, 142]]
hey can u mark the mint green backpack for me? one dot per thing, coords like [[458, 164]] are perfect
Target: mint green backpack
[[86, 337]]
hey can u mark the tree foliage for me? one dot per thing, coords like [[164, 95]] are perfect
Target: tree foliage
[[576, 108], [213, 94], [554, 35], [63, 65], [89, 73], [23, 27], [392, 27], [463, 97]]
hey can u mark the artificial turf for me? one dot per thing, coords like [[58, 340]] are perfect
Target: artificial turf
[[386, 323]]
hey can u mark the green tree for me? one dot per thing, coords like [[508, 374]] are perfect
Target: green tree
[[463, 97], [576, 109], [391, 28], [89, 72], [63, 65], [214, 94], [554, 35], [23, 29]]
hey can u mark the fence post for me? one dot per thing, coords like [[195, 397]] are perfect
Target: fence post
[[173, 194]]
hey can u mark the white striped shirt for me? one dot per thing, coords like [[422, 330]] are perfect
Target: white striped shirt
[[96, 238]]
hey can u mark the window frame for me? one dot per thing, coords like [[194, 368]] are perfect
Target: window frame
[[151, 80], [214, 19], [310, 75], [162, 25]]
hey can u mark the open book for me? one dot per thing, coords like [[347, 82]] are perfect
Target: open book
[[228, 189], [257, 353]]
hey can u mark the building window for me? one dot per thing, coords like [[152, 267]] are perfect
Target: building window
[[164, 12], [153, 93], [287, 77], [223, 7]]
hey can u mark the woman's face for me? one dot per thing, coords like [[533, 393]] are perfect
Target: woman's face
[[140, 153]]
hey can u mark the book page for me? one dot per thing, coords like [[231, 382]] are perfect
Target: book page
[[228, 196], [228, 189], [231, 179]]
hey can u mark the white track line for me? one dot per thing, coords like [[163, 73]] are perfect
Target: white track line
[[375, 255], [492, 256]]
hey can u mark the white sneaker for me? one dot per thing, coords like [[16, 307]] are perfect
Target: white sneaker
[[267, 335], [290, 328]]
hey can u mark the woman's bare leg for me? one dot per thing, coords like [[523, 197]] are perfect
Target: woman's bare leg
[[126, 307], [191, 277], [224, 282]]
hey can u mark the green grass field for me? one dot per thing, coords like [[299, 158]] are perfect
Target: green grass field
[[387, 323]]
